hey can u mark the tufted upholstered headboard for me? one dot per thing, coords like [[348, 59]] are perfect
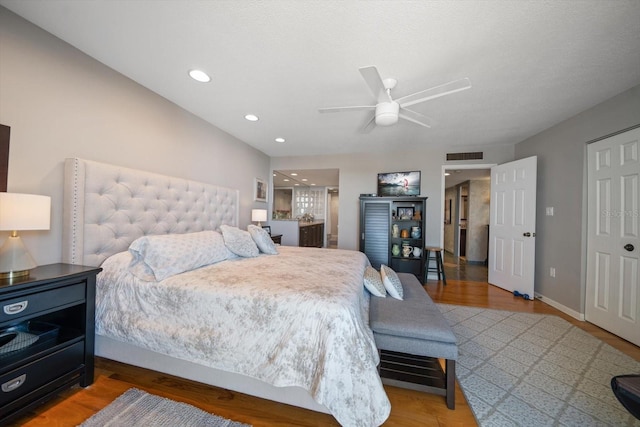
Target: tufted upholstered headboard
[[107, 207]]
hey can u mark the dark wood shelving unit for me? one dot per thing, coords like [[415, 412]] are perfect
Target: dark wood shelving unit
[[378, 215]]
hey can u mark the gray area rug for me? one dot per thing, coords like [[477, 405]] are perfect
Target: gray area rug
[[138, 408], [522, 369]]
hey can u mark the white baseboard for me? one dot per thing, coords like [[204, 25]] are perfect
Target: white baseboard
[[562, 308]]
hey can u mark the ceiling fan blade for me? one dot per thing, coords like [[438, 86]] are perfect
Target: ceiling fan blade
[[434, 92], [368, 127], [353, 108], [374, 81], [416, 118]]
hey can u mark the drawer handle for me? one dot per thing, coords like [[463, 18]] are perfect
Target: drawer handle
[[14, 383], [16, 307]]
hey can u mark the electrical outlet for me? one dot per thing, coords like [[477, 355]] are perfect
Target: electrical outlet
[[549, 210], [552, 271]]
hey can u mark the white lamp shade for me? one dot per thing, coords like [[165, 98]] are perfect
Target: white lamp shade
[[258, 215], [24, 212]]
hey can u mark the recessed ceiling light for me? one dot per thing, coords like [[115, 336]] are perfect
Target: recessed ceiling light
[[279, 139], [200, 76], [305, 179], [285, 180], [294, 174], [296, 184], [251, 117], [312, 184], [447, 174]]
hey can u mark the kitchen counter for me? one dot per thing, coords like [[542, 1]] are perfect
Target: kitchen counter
[[299, 233]]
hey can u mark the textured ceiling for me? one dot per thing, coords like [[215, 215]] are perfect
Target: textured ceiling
[[532, 64]]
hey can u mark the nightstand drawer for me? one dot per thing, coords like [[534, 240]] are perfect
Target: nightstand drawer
[[29, 377], [33, 303]]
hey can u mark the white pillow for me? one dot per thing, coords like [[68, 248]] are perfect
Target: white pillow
[[239, 241], [262, 240], [391, 282], [155, 258], [373, 282]]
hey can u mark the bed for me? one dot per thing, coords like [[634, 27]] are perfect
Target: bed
[[291, 327]]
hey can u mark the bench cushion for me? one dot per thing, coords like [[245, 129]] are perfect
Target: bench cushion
[[413, 325]]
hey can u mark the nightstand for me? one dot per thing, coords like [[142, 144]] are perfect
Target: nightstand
[[277, 239], [46, 335]]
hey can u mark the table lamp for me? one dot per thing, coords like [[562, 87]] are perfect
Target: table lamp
[[20, 212], [258, 215]]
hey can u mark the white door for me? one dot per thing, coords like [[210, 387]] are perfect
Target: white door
[[512, 226], [613, 243]]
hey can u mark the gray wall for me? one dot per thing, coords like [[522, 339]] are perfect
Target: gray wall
[[61, 103], [358, 174], [561, 151]]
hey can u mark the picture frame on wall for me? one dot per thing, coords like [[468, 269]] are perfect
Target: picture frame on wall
[[447, 211], [5, 132], [259, 190]]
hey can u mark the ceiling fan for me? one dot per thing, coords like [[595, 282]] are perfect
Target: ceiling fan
[[388, 110]]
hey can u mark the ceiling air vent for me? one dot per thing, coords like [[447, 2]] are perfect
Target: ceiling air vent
[[465, 156]]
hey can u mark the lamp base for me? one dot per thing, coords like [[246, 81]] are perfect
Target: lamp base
[[11, 275], [15, 260]]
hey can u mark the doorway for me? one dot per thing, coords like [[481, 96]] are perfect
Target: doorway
[[333, 205], [466, 200], [465, 219]]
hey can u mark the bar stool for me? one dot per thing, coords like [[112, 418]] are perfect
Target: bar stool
[[437, 257]]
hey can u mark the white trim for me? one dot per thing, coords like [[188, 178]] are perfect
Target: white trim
[[562, 308]]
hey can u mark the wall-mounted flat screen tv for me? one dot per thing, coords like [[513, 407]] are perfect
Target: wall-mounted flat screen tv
[[399, 184]]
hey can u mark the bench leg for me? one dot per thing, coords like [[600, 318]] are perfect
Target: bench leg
[[450, 378]]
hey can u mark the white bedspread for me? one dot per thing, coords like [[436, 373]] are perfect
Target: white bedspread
[[295, 319]]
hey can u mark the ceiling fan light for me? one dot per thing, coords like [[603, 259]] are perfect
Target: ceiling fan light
[[387, 113]]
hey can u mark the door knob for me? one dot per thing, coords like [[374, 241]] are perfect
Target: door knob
[[527, 234], [629, 247]]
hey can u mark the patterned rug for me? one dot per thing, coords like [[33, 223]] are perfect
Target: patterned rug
[[137, 408], [522, 369]]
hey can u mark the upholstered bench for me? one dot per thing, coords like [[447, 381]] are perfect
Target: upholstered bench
[[411, 335]]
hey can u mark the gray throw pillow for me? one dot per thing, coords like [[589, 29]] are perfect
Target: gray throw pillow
[[239, 241], [262, 240]]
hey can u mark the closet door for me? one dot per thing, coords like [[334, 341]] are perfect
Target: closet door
[[374, 232]]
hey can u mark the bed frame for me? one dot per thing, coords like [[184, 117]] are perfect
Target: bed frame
[[107, 207]]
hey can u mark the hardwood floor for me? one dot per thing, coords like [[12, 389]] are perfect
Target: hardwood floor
[[466, 285]]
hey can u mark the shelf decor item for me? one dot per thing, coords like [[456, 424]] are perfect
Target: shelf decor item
[[415, 232], [395, 249], [404, 233], [405, 214], [395, 231], [406, 250]]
